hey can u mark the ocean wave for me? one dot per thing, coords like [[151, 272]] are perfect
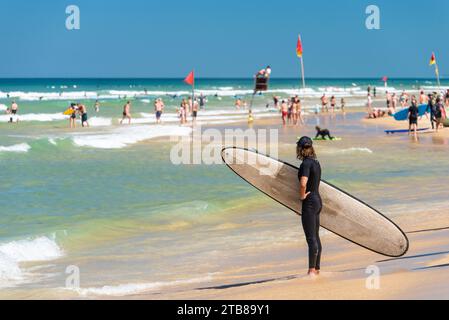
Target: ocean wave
[[15, 252], [220, 92], [3, 107], [122, 137], [22, 147], [135, 288]]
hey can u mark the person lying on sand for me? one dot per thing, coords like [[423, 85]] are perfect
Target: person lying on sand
[[323, 133], [377, 113]]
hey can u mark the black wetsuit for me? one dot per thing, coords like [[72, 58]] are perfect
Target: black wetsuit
[[311, 208], [431, 110], [324, 133], [414, 112]]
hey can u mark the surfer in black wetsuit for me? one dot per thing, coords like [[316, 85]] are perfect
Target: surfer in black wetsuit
[[323, 133], [309, 177]]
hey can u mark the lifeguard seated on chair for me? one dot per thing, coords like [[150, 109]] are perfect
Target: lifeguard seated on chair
[[264, 73]]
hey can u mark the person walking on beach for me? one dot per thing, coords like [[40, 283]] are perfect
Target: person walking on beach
[[83, 112], [343, 104], [440, 113], [324, 103], [423, 99], [394, 102], [369, 104], [309, 179], [159, 109], [126, 112], [14, 110], [430, 110], [446, 99], [284, 111], [333, 103], [413, 113], [194, 111]]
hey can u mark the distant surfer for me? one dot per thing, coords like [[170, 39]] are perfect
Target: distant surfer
[[126, 112], [310, 177], [323, 133]]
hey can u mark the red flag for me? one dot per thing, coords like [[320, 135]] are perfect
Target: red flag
[[385, 79], [433, 59], [190, 79], [299, 47]]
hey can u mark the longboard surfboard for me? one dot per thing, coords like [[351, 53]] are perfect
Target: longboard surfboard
[[342, 213], [422, 130], [403, 114]]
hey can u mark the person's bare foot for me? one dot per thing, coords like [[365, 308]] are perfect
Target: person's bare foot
[[313, 273]]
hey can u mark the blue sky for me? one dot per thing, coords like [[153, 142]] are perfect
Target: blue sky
[[232, 38]]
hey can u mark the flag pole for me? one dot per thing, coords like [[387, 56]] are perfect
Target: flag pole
[[437, 72], [302, 74]]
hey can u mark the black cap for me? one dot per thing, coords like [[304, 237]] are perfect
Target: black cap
[[305, 142]]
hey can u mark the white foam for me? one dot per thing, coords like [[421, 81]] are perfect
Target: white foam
[[15, 252], [135, 288], [353, 150], [127, 135], [22, 147], [3, 107], [41, 117], [100, 122]]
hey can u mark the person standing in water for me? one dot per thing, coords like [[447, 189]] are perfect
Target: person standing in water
[[194, 111], [309, 176], [14, 110], [159, 108], [83, 112], [97, 106], [126, 112], [413, 113], [74, 109], [430, 110]]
